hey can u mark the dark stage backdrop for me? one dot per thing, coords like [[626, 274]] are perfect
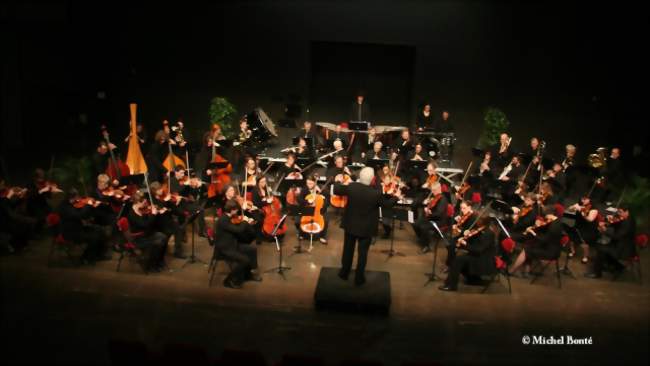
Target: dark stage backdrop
[[383, 73]]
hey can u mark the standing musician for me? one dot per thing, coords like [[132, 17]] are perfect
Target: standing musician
[[424, 119], [230, 231], [501, 154], [621, 247], [586, 228], [542, 241], [567, 166], [142, 224], [171, 221], [76, 225], [359, 222], [435, 209], [462, 223], [405, 145], [156, 156], [479, 260], [307, 199], [360, 110]]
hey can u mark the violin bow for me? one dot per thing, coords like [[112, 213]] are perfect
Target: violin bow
[[479, 215]]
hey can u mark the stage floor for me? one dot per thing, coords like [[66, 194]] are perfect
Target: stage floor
[[63, 314]]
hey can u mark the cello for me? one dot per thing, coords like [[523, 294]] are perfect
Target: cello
[[220, 177], [313, 224], [273, 215], [116, 167]]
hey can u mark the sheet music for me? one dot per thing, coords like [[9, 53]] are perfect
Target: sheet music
[[411, 217]]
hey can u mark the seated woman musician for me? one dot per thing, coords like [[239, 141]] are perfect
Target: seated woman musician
[[542, 242], [435, 210], [232, 233], [146, 237], [418, 153], [479, 260]]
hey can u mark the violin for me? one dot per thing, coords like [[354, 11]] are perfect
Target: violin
[[455, 230], [433, 201], [523, 212], [86, 201], [48, 186], [10, 192], [532, 230], [469, 234]]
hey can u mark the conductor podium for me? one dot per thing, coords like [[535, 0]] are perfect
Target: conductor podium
[[333, 293]]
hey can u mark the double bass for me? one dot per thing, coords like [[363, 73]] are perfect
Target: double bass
[[220, 177], [116, 167]]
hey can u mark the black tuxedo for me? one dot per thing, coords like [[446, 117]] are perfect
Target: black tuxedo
[[228, 241], [360, 112], [359, 223]]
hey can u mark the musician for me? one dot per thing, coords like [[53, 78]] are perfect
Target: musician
[[338, 135], [17, 227], [156, 156], [143, 228], [338, 168], [303, 152], [38, 192], [557, 177], [170, 222], [424, 119], [405, 145], [312, 188], [359, 222], [229, 234], [569, 159], [101, 157], [543, 242], [484, 169], [251, 173], [435, 210], [621, 247], [462, 223], [104, 214], [501, 153], [614, 176], [140, 135], [190, 195], [443, 125], [418, 153], [375, 153], [76, 226], [479, 259], [360, 110], [509, 177], [523, 217], [586, 227], [308, 132]]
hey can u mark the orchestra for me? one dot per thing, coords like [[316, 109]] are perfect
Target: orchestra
[[226, 187]]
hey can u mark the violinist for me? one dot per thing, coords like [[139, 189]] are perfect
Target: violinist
[[104, 214], [229, 229], [38, 194], [523, 217], [307, 198], [16, 226], [461, 224], [391, 186], [77, 226], [171, 218], [479, 260], [585, 231], [435, 209], [621, 247], [188, 194], [543, 242], [143, 228]]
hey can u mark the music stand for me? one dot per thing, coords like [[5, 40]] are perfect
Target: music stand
[[193, 259], [358, 125], [135, 179], [377, 164], [411, 165], [401, 215], [303, 162], [280, 268], [432, 276]]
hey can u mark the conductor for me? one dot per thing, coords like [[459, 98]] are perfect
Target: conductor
[[360, 220]]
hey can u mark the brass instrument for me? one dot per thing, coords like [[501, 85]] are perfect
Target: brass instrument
[[599, 159]]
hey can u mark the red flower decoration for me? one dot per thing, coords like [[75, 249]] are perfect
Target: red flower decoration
[[210, 233], [641, 240], [52, 219], [508, 245], [444, 187], [450, 210], [476, 198], [564, 240], [123, 224], [129, 246], [500, 264], [559, 210], [60, 240]]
